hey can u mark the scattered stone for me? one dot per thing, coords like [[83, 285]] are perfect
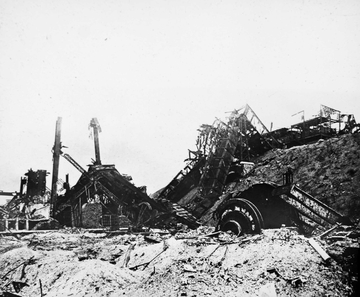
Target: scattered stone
[[189, 268]]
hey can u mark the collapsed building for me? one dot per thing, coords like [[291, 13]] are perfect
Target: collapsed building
[[28, 207], [225, 153]]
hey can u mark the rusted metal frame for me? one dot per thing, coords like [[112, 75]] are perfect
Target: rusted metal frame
[[229, 149], [311, 214], [184, 216], [313, 207], [322, 204], [218, 131], [230, 128], [224, 170], [263, 126], [204, 137], [257, 118], [289, 191], [300, 208], [208, 141], [304, 223], [211, 138], [243, 144], [187, 169], [182, 212], [212, 157]]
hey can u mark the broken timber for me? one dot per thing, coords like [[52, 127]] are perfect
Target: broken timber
[[319, 249]]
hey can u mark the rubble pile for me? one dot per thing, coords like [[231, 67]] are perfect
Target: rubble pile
[[202, 262]]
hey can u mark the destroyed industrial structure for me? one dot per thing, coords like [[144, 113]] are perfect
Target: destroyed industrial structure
[[254, 212], [225, 152]]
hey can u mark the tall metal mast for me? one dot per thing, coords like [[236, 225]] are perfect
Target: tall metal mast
[[96, 128], [56, 157]]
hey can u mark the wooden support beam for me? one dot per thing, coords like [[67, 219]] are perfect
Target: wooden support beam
[[319, 249], [321, 236]]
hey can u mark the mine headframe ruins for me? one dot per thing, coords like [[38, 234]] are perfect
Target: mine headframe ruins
[[209, 167], [103, 197], [224, 153]]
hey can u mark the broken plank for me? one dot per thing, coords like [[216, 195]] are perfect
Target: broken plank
[[319, 249]]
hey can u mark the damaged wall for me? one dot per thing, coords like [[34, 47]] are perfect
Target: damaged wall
[[91, 215]]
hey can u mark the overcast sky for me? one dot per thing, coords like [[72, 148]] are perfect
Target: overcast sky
[[153, 71]]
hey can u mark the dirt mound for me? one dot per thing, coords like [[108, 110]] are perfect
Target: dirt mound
[[328, 170]]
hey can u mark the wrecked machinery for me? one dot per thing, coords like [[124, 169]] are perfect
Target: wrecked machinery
[[224, 154], [103, 197]]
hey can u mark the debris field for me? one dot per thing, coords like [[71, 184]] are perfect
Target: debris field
[[253, 213], [73, 262]]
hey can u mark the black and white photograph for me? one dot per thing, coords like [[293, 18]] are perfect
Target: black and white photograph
[[179, 148]]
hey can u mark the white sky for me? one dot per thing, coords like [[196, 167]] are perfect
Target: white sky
[[153, 71]]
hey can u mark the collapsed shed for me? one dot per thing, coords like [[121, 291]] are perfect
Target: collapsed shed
[[102, 198]]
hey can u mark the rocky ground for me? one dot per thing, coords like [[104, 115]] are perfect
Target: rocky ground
[[72, 262]]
